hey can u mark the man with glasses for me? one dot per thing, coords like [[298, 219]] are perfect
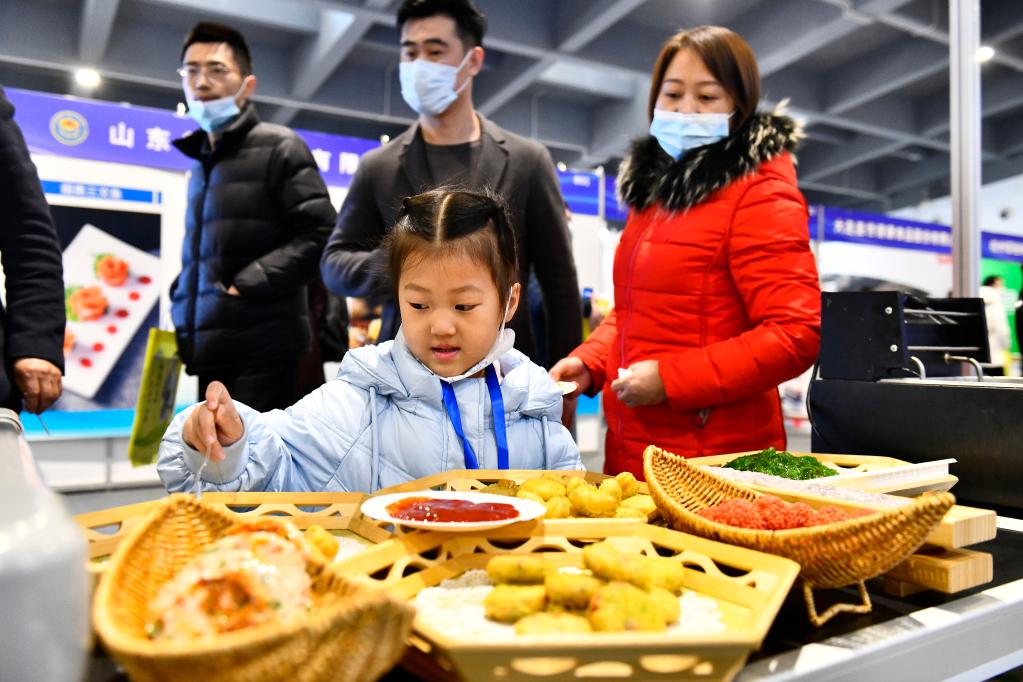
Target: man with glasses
[[258, 217], [452, 144]]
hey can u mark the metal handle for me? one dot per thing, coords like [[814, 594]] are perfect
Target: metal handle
[[949, 359]]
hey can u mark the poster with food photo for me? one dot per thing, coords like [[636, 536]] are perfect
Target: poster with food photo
[[111, 290]]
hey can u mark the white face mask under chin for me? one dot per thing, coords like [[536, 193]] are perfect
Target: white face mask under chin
[[504, 342]]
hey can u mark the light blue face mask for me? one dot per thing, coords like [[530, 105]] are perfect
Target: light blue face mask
[[428, 87], [214, 114], [677, 132]]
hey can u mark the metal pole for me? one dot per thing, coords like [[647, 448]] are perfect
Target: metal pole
[[964, 109]]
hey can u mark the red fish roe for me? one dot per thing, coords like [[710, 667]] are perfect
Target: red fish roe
[[735, 512], [770, 513]]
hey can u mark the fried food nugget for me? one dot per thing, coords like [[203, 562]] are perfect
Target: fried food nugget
[[665, 573], [644, 503], [588, 501], [544, 487], [554, 476], [612, 488], [574, 482], [503, 487], [624, 512], [571, 591], [630, 486], [516, 569], [619, 606], [547, 623], [508, 603], [667, 603], [320, 539], [558, 508], [529, 495], [604, 561]]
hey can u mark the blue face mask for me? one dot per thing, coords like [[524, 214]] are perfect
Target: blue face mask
[[677, 132], [428, 87], [214, 114]]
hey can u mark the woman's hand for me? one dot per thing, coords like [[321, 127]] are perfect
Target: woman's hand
[[641, 385], [213, 424], [571, 369]]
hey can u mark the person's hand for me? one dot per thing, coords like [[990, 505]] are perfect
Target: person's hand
[[571, 369], [39, 381], [641, 385], [214, 423], [233, 291]]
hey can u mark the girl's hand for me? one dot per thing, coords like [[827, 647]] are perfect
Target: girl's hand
[[571, 369], [642, 385], [213, 424]]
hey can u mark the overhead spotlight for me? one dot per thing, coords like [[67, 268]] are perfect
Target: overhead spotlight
[[985, 53], [384, 139], [182, 109], [562, 167], [87, 78]]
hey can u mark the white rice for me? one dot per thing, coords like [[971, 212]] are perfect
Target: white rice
[[810, 487], [455, 607]]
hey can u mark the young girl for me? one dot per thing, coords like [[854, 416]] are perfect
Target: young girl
[[420, 404]]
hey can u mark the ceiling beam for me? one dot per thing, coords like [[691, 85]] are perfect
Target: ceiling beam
[[880, 73], [574, 33], [320, 56], [279, 14], [94, 28]]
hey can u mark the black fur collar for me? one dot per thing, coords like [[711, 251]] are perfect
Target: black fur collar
[[648, 175]]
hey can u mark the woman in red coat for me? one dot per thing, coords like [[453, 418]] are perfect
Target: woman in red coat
[[716, 293]]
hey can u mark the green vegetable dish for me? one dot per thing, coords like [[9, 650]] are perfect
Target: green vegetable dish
[[783, 464]]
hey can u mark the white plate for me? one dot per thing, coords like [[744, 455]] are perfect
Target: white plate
[[376, 508], [100, 343]]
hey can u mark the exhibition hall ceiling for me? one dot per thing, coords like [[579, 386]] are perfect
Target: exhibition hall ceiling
[[869, 77]]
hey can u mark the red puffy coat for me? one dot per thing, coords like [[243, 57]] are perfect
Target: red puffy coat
[[714, 278]]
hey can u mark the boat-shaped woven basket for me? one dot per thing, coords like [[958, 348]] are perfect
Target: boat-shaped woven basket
[[351, 632], [833, 555]]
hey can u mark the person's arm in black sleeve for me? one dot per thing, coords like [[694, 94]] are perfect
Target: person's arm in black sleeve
[[550, 251], [352, 258], [34, 321], [306, 210]]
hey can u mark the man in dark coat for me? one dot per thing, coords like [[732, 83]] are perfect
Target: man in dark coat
[[451, 144], [32, 326], [258, 217]]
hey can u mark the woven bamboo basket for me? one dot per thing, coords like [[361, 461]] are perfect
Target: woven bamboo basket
[[834, 555], [351, 632]]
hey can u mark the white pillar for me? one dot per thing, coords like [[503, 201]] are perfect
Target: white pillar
[[964, 109]]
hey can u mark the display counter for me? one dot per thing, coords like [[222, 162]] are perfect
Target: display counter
[[972, 635]]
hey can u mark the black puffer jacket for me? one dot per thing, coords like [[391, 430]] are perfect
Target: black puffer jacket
[[258, 217], [32, 325]]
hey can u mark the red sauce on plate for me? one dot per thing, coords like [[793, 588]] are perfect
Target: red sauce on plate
[[450, 511]]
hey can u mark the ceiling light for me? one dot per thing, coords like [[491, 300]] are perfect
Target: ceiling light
[[87, 78], [562, 167], [182, 109], [985, 53]]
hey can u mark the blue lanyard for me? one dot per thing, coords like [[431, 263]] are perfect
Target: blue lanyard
[[497, 407]]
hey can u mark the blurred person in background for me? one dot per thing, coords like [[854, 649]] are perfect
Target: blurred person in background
[[452, 145], [258, 217], [716, 293], [999, 339], [32, 323]]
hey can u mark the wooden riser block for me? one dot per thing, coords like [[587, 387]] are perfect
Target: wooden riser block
[[944, 570]]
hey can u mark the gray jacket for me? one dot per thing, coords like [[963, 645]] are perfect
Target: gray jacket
[[379, 423]]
